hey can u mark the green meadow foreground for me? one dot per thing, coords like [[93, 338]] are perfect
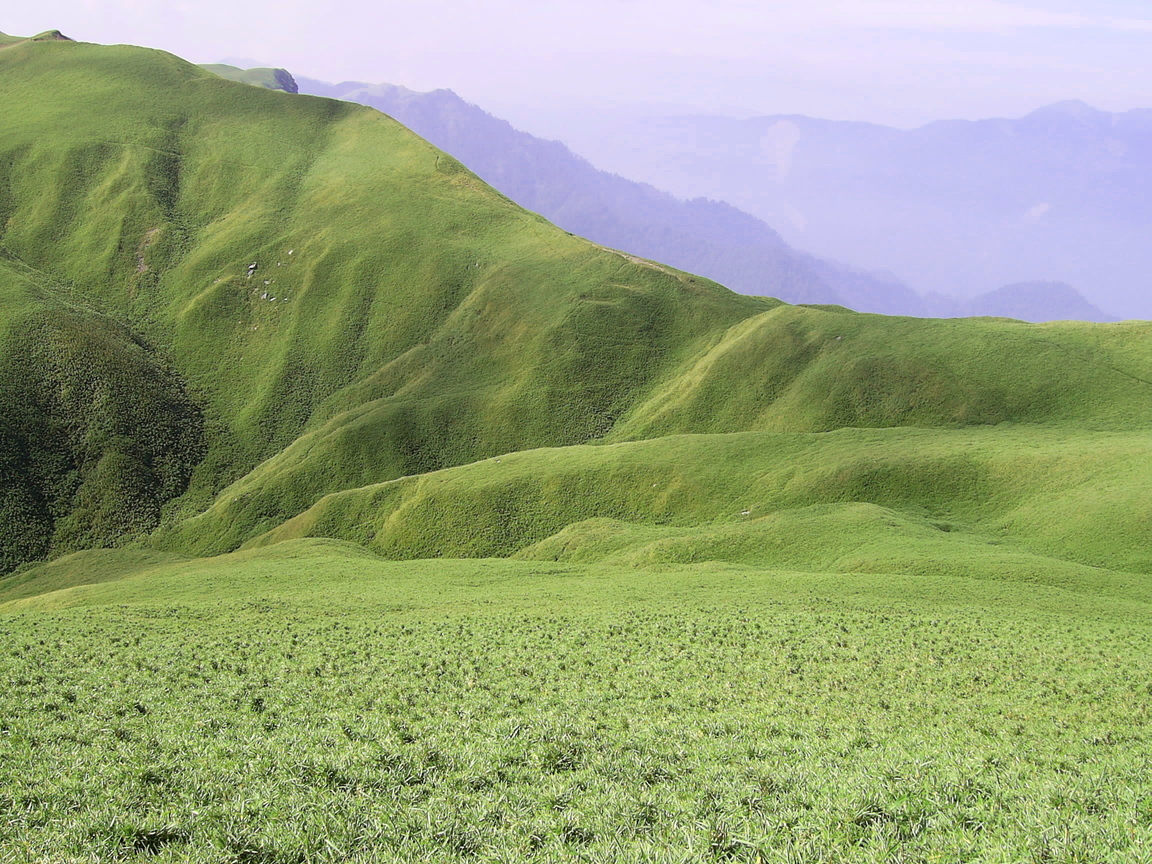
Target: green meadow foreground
[[311, 702], [349, 512], [861, 645]]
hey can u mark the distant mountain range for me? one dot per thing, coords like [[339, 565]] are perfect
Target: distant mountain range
[[955, 207], [700, 235]]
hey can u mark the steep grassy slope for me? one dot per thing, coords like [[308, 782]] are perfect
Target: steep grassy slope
[[299, 258], [97, 433]]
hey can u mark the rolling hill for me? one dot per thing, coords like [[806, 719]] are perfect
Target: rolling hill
[[308, 299]]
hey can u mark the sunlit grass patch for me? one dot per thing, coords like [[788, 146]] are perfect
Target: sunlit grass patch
[[492, 711]]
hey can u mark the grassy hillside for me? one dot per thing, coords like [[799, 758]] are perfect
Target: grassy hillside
[[1015, 503], [385, 275], [337, 304], [789, 369]]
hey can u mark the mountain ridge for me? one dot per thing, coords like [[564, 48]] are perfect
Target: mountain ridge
[[706, 236], [700, 235], [957, 207]]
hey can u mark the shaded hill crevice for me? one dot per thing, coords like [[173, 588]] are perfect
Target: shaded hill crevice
[[98, 435]]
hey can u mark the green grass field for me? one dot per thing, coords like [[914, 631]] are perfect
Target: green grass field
[[311, 702], [349, 512]]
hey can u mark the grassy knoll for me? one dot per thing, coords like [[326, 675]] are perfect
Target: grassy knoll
[[270, 79], [310, 702], [1006, 502]]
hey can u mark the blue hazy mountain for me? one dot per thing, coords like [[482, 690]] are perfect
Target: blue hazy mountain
[[957, 207], [700, 234]]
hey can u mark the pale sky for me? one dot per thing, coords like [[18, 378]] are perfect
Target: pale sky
[[899, 62]]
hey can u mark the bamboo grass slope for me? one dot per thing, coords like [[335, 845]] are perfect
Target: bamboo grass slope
[[300, 319], [97, 432], [308, 701]]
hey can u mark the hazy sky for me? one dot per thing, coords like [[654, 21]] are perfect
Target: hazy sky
[[901, 62]]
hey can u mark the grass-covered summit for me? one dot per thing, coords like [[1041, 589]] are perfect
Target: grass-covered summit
[[275, 298], [46, 36], [270, 79]]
